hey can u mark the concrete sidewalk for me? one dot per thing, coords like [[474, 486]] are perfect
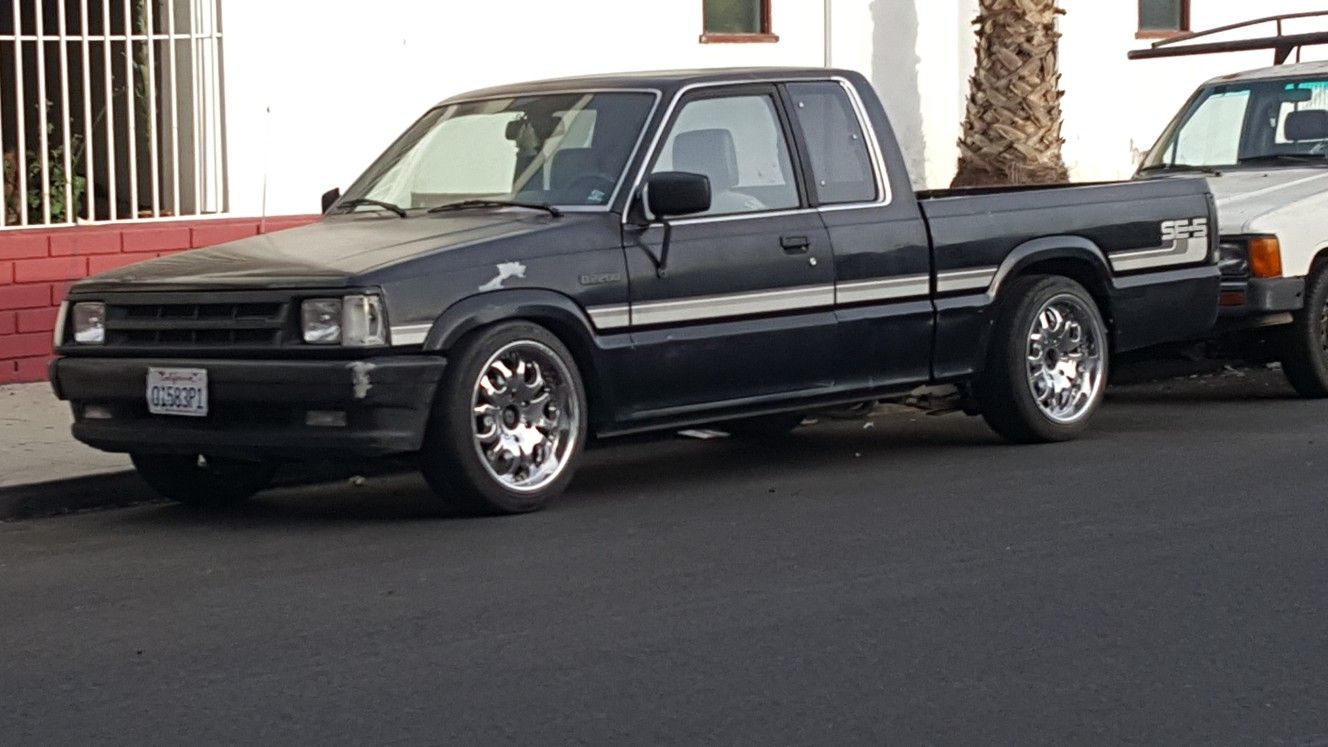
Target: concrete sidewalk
[[35, 445], [44, 471]]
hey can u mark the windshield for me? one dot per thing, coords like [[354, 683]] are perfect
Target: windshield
[[564, 149], [1253, 123]]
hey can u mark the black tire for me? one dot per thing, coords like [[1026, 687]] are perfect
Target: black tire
[[201, 481], [1305, 346], [451, 458], [764, 426], [1004, 390]]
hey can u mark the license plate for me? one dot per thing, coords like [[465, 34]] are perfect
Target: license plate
[[177, 391]]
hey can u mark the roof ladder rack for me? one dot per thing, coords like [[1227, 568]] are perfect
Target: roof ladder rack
[[1281, 44]]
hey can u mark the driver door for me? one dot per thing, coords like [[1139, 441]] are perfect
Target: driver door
[[742, 312]]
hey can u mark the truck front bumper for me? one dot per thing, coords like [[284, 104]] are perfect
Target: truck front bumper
[[257, 408], [1261, 295], [1259, 302]]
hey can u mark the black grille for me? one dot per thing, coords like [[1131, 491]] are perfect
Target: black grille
[[146, 323]]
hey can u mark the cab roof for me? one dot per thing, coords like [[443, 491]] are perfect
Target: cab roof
[[1298, 70], [665, 81]]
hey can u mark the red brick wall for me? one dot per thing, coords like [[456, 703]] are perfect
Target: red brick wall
[[38, 265]]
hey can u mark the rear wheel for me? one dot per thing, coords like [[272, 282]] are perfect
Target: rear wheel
[[1305, 348], [1047, 367], [509, 422], [202, 481]]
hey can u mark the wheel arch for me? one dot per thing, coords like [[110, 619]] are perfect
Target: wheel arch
[[1073, 257], [558, 313]]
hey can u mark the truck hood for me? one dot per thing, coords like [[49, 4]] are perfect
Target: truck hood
[[1249, 201], [333, 252]]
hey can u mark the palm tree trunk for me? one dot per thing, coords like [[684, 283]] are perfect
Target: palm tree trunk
[[1012, 129]]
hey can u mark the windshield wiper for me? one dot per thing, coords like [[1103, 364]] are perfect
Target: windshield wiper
[[1283, 157], [400, 211], [1180, 167], [468, 204]]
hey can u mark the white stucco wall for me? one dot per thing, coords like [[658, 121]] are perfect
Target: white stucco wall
[[315, 89]]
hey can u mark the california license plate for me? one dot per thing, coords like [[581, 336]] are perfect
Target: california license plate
[[178, 391]]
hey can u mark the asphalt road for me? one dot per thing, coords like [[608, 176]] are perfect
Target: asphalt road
[[1163, 580]]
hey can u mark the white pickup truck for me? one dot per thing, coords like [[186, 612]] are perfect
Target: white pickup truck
[[1262, 138]]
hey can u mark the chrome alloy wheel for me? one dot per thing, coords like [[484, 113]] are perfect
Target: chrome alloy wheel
[[1066, 358], [526, 416]]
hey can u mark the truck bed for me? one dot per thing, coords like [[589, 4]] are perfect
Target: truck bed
[[1119, 239]]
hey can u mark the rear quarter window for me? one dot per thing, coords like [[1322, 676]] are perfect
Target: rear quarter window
[[841, 165]]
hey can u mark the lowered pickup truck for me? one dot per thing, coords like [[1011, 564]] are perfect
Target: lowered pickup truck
[[533, 264]]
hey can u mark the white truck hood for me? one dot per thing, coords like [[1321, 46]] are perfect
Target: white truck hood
[[1286, 203], [1251, 201]]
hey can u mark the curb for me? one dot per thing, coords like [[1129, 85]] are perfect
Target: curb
[[123, 489], [112, 490]]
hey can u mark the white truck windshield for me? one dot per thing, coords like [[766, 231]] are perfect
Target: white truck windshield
[[1257, 123]]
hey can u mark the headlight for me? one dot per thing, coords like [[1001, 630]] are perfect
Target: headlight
[[355, 321], [89, 323], [362, 321], [321, 321], [1234, 259]]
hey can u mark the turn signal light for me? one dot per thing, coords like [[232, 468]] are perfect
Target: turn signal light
[[1265, 257]]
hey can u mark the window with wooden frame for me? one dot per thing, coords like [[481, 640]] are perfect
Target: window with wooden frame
[[736, 21], [1163, 18]]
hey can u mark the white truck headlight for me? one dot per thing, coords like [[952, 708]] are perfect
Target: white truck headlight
[[353, 321], [89, 323]]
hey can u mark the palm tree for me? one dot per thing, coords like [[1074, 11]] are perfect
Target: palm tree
[[1012, 129]]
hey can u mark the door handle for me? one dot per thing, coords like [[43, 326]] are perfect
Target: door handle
[[795, 244]]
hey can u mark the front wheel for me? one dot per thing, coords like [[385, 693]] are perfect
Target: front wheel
[[509, 422], [1046, 371], [203, 481], [1305, 348]]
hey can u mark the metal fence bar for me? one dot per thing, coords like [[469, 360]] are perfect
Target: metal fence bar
[[152, 109], [195, 121], [89, 146], [214, 109], [4, 195], [131, 132], [21, 152], [42, 118], [219, 78], [113, 207], [172, 37], [65, 117]]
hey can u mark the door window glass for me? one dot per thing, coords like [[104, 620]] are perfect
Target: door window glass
[[840, 162], [736, 142]]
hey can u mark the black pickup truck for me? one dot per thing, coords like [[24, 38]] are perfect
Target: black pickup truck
[[531, 265]]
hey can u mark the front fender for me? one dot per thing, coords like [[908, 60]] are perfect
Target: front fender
[[596, 356], [484, 309]]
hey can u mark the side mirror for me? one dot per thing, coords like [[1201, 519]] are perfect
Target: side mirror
[[669, 194], [673, 193], [330, 198]]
